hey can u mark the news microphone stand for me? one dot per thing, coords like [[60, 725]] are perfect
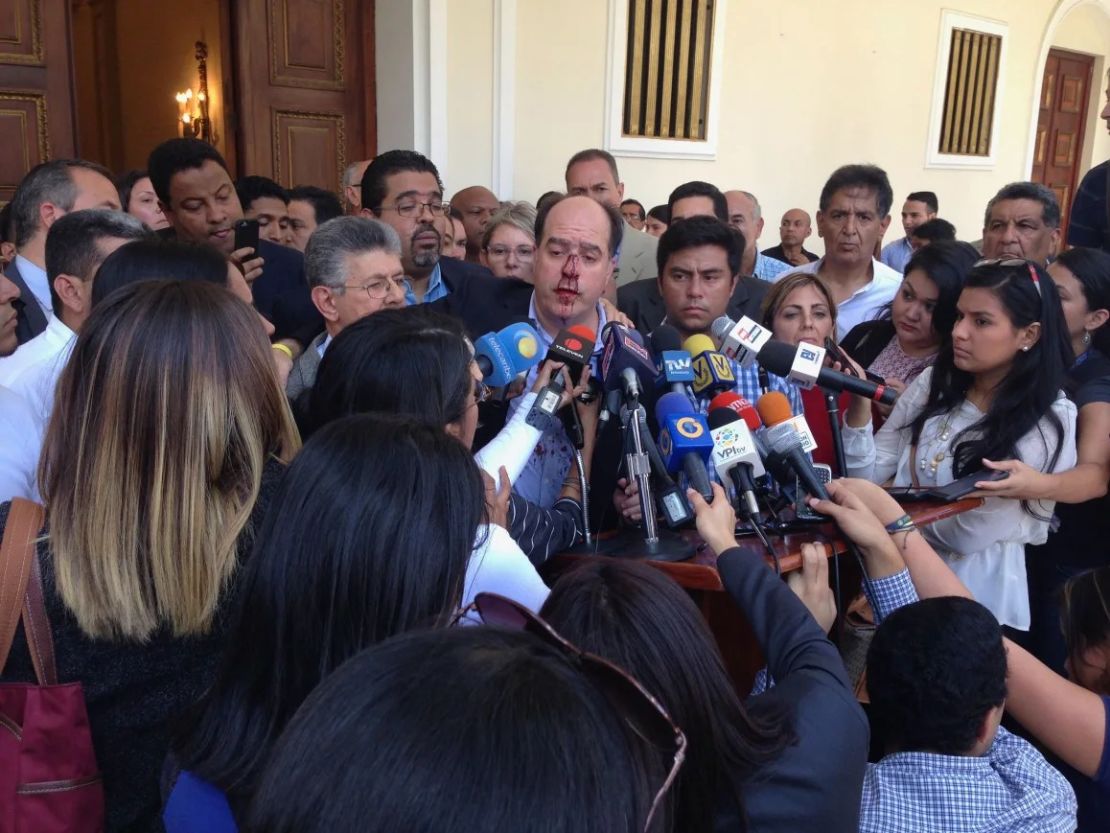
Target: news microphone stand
[[586, 537], [832, 404]]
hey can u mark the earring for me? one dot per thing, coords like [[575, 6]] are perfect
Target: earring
[[1086, 337], [1025, 348]]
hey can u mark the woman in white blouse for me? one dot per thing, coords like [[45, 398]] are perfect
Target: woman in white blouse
[[993, 393]]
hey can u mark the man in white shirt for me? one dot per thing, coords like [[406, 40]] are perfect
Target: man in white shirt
[[853, 216], [46, 193], [76, 245]]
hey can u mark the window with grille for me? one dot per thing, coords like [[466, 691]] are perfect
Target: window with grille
[[970, 93], [667, 69]]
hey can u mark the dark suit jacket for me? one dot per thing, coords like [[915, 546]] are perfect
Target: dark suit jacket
[[482, 302], [642, 302], [281, 293], [30, 318]]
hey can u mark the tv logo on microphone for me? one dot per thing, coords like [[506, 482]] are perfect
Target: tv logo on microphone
[[710, 368], [680, 368]]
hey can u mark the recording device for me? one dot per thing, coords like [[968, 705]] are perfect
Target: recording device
[[712, 370], [502, 355], [785, 442], [684, 441], [246, 234], [740, 340], [625, 353], [838, 355], [802, 509], [783, 359], [774, 409], [573, 347], [949, 491], [673, 364], [735, 455]]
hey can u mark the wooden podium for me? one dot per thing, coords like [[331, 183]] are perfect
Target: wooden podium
[[700, 577]]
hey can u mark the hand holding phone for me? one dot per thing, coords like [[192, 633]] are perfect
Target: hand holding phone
[[246, 235]]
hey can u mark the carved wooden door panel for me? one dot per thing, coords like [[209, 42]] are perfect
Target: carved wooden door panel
[[1062, 123], [36, 92], [305, 88]]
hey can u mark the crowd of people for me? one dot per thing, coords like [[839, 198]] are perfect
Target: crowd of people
[[374, 631]]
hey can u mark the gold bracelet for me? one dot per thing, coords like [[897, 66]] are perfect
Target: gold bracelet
[[283, 348]]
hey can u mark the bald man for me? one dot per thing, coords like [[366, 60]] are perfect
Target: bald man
[[793, 231], [352, 186], [746, 216], [477, 205]]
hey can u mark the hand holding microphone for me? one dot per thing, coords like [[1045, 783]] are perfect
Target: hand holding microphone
[[716, 521], [504, 354]]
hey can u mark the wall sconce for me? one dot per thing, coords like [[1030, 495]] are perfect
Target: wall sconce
[[192, 110]]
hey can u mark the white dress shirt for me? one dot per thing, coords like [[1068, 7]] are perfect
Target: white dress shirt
[[20, 445], [866, 302], [36, 382], [985, 547], [45, 347]]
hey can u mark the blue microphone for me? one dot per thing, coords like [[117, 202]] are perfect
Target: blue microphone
[[673, 364], [684, 440], [504, 354]]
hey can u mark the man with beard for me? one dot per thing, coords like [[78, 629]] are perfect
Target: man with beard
[[402, 189]]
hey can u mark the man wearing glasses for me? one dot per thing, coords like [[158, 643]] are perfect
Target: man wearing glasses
[[402, 189], [353, 267]]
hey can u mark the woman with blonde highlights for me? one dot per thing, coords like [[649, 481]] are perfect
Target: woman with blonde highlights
[[167, 435]]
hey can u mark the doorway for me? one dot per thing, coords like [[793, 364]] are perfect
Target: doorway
[[1062, 124]]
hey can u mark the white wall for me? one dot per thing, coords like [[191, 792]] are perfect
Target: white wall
[[469, 95]]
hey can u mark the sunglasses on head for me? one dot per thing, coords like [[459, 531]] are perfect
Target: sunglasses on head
[[1013, 261], [646, 714]]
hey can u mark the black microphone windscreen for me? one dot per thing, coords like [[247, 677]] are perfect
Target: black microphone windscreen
[[777, 357], [665, 337], [719, 417]]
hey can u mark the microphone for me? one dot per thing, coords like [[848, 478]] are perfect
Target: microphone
[[785, 442], [742, 340], [785, 360], [573, 347], [735, 455], [739, 406], [774, 409], [504, 354], [684, 441], [625, 354], [673, 364], [712, 370]]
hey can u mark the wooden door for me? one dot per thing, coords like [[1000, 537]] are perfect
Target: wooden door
[[36, 88], [304, 88], [1062, 123]]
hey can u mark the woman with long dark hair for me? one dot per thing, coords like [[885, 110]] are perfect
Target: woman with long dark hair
[[789, 759], [905, 340], [340, 564], [993, 394]]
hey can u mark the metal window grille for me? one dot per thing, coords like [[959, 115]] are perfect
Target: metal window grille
[[970, 93]]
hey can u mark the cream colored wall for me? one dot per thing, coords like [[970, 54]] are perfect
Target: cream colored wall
[[1086, 29], [469, 95], [808, 85]]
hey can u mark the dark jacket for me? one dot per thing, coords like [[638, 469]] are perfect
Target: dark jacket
[[30, 318], [642, 302], [282, 295], [866, 340], [482, 302], [134, 691], [816, 783]]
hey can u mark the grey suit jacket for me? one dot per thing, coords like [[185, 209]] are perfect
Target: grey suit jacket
[[642, 302], [31, 320], [637, 260], [303, 375]]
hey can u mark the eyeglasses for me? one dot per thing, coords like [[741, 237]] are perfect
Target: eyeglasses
[[482, 392], [413, 208], [1013, 261], [648, 717], [379, 289], [522, 252]]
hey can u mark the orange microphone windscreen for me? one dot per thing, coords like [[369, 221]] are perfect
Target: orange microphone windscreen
[[773, 408]]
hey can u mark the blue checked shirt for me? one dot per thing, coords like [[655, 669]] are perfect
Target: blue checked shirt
[[436, 289], [1011, 788], [768, 269]]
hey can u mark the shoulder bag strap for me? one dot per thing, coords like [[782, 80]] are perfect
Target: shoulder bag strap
[[17, 555], [36, 626]]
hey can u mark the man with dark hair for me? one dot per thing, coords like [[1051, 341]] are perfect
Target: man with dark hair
[[794, 229], [634, 214], [198, 198], [853, 216], [593, 173], [1022, 220], [475, 205], [48, 192], [697, 199], [309, 207], [919, 207], [453, 243], [643, 302], [268, 203], [746, 216], [936, 678], [402, 189], [353, 265], [934, 231]]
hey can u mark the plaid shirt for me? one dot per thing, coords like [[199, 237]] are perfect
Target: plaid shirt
[[1011, 788], [768, 268]]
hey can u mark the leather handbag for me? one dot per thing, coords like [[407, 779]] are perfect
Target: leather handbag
[[49, 781]]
